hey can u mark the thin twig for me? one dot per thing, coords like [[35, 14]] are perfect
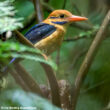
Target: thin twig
[[80, 13], [22, 39], [88, 60], [75, 7], [84, 26], [38, 9], [71, 39], [58, 57], [64, 4], [47, 7], [77, 56]]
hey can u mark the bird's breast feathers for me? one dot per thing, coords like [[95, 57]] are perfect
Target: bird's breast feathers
[[52, 42], [46, 37]]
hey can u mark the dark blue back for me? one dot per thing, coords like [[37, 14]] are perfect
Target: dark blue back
[[39, 32]]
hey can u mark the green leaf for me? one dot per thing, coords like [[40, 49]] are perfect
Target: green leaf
[[11, 49], [35, 58], [7, 20]]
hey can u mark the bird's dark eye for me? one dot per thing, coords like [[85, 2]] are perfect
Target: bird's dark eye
[[62, 16]]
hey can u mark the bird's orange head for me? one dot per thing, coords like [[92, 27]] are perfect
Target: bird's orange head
[[63, 17]]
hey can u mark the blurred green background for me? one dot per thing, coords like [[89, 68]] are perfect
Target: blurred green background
[[95, 93]]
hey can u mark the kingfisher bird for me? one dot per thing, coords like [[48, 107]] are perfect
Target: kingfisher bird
[[49, 34]]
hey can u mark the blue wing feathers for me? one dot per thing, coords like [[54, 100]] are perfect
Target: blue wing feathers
[[35, 26], [39, 32]]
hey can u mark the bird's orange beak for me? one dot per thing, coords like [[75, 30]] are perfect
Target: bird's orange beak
[[76, 18]]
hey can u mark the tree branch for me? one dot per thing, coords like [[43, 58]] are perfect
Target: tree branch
[[71, 39], [22, 39], [88, 60], [53, 84], [16, 77], [38, 9], [19, 79], [29, 81], [65, 94]]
